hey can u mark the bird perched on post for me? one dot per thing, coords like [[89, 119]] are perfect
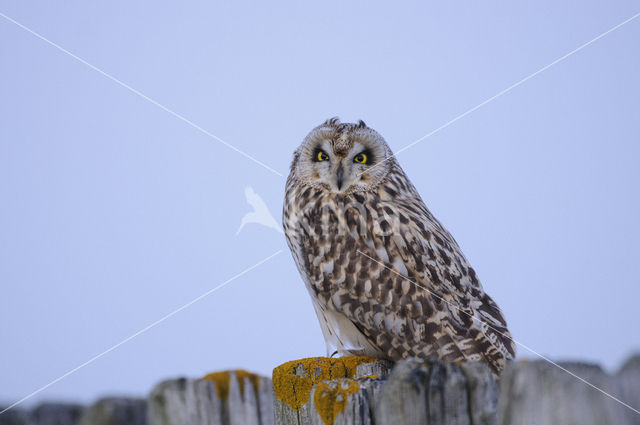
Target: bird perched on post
[[386, 278]]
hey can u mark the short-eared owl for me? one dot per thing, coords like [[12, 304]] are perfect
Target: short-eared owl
[[385, 277]]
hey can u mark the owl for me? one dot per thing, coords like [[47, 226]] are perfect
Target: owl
[[386, 279]]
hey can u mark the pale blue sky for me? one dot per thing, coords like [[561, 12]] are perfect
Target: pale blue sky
[[113, 212]]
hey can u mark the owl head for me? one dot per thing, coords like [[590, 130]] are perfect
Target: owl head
[[342, 157]]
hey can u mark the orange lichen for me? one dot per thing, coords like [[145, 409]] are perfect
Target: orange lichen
[[222, 380], [294, 390], [331, 398], [242, 375]]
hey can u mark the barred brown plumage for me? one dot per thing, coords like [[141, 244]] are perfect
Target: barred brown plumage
[[386, 278]]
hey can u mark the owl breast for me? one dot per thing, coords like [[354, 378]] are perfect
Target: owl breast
[[325, 233]]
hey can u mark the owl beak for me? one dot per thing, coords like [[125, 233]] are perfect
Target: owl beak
[[340, 175]]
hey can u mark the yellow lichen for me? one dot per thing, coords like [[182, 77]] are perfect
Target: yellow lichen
[[241, 375], [294, 390], [331, 399], [221, 381]]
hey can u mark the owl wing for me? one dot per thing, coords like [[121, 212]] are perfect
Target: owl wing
[[403, 281], [465, 322]]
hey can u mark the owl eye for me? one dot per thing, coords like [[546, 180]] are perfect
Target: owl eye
[[361, 158], [321, 156]]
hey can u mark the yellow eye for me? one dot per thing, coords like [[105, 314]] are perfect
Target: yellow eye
[[361, 158], [321, 156]]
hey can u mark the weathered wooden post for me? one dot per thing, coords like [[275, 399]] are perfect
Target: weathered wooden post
[[322, 390], [432, 392], [44, 414], [116, 411], [223, 398], [539, 393], [361, 390]]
